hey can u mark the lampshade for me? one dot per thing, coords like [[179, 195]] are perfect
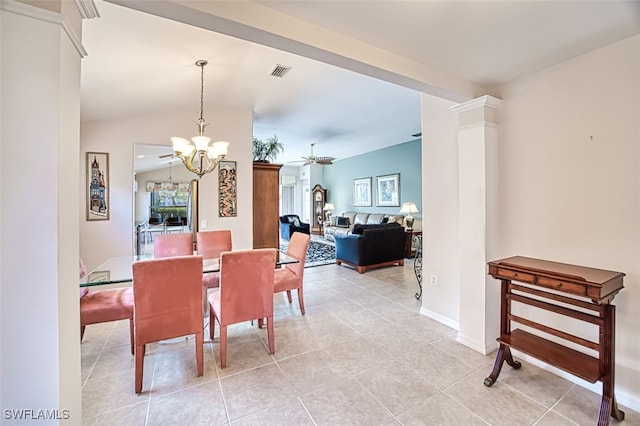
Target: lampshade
[[329, 207], [408, 208]]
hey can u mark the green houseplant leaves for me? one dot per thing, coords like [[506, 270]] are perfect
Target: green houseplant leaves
[[267, 150]]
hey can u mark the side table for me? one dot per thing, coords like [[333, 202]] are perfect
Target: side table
[[411, 235]]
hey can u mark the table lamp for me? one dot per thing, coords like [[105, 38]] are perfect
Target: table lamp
[[407, 209], [328, 207]]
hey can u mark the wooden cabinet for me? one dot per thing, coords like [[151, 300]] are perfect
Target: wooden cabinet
[[569, 290], [318, 199], [266, 209]]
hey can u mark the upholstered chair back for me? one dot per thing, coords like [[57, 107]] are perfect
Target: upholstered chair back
[[210, 244], [169, 245]]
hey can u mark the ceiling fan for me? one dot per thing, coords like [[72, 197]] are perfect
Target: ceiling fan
[[312, 159]]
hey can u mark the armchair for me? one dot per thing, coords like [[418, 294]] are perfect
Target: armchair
[[291, 223]]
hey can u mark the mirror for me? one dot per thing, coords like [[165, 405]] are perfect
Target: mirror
[[163, 200]]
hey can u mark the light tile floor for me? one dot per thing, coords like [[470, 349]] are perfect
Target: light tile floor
[[362, 355]]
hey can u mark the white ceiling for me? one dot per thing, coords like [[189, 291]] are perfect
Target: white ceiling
[[139, 63]]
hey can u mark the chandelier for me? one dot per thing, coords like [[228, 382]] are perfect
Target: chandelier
[[199, 155]]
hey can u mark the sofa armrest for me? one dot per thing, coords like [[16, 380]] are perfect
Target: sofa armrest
[[349, 247]]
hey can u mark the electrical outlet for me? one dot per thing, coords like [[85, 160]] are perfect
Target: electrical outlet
[[204, 224], [434, 280]]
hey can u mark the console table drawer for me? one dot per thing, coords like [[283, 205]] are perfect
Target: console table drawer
[[516, 276], [569, 287]]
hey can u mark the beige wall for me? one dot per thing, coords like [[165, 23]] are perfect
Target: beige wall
[[562, 195], [100, 240]]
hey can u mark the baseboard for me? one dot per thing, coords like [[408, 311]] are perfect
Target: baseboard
[[483, 348], [440, 318], [627, 399]]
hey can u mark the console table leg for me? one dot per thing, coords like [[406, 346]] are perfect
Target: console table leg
[[504, 354], [609, 408]]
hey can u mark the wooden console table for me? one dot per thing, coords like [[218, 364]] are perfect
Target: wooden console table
[[553, 286]]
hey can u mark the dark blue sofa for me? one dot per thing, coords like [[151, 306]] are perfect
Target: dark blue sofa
[[291, 223], [372, 246]]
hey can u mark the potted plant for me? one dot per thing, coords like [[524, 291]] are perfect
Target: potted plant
[[267, 150]]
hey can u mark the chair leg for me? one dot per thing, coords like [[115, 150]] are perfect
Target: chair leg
[[139, 367], [82, 327], [199, 352], [301, 300], [223, 346], [272, 343], [212, 320], [289, 296], [131, 335]]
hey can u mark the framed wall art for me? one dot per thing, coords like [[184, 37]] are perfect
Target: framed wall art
[[362, 192], [227, 189], [388, 190], [98, 186]]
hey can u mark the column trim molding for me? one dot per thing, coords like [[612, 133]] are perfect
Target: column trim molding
[[480, 124], [482, 101], [46, 16]]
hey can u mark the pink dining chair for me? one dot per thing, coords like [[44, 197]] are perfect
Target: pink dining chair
[[210, 244], [291, 275], [168, 245], [167, 300], [246, 293], [105, 306]]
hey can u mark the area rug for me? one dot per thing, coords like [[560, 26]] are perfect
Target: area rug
[[319, 253]]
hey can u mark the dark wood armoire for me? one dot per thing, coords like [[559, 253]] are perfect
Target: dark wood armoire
[[266, 209]]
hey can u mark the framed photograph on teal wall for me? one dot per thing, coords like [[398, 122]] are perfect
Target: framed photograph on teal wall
[[388, 190], [362, 192]]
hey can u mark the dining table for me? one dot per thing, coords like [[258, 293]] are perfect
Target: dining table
[[117, 271]]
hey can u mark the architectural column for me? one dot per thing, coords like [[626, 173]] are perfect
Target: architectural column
[[478, 184], [39, 211]]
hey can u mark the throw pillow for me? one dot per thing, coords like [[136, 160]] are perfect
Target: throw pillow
[[296, 222], [342, 222], [332, 220]]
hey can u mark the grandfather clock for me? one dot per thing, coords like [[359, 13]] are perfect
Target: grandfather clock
[[318, 199]]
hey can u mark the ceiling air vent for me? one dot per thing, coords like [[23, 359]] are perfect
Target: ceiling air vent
[[280, 70]]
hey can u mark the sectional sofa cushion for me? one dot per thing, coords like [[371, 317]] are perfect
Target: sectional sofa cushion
[[342, 222]]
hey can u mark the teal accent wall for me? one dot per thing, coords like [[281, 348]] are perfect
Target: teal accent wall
[[404, 158]]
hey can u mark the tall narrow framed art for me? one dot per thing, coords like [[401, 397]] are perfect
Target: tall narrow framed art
[[98, 199], [227, 189]]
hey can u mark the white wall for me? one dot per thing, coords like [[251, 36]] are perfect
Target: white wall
[[441, 255], [40, 108], [568, 198], [100, 240], [562, 196]]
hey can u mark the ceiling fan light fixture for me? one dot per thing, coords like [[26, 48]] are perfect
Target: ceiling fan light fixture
[[198, 155]]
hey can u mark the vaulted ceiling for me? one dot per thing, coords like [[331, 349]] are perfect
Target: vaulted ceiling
[[140, 63]]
